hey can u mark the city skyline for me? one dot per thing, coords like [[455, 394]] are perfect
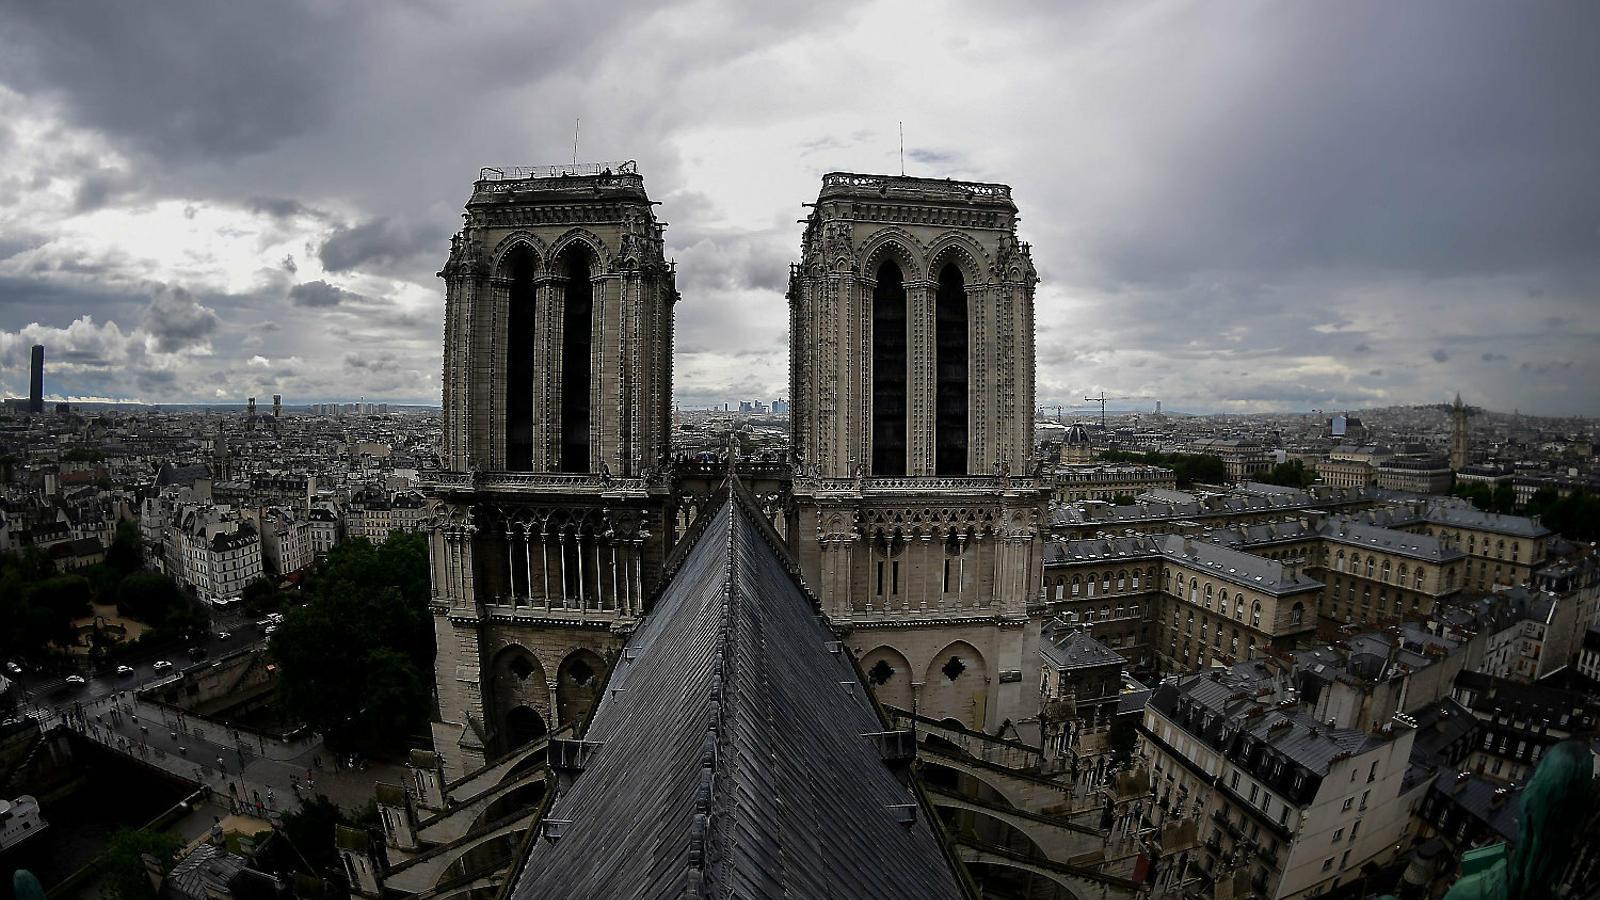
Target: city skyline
[[1229, 213]]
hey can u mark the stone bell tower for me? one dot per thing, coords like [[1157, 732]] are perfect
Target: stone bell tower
[[916, 515], [550, 511]]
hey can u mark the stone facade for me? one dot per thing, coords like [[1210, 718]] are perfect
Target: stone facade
[[550, 519], [916, 513]]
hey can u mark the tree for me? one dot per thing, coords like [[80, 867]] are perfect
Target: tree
[[126, 553], [352, 661], [37, 606], [310, 831], [126, 877], [1575, 516], [157, 601], [67, 597], [1187, 468], [1292, 473], [261, 596], [149, 597]]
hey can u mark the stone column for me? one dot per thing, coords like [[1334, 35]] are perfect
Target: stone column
[[617, 605], [565, 603], [544, 562], [511, 564], [527, 559]]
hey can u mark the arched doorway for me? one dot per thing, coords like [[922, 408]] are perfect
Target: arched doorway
[[578, 683]]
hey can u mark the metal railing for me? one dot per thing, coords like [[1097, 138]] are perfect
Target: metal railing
[[520, 173]]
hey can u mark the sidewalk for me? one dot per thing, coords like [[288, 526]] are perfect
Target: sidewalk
[[242, 779]]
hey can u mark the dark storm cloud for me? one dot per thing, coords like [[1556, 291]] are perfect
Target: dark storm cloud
[[381, 241], [193, 80], [99, 188], [319, 293], [280, 207], [177, 320], [1353, 135]]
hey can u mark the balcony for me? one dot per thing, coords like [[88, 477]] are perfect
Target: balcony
[[534, 482], [1227, 824]]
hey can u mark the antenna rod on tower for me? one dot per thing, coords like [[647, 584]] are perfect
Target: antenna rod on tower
[[902, 148], [575, 123]]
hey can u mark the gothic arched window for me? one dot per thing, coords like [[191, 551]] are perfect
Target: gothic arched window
[[576, 365], [950, 403], [889, 372], [519, 266]]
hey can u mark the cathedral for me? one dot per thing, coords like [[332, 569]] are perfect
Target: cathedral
[[909, 502]]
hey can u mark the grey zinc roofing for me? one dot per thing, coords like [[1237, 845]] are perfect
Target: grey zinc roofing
[[733, 759], [1236, 566], [1125, 549], [1356, 533], [1073, 649], [205, 872], [1294, 734], [1464, 516]]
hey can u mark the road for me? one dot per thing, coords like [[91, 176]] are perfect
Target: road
[[256, 775], [53, 690]]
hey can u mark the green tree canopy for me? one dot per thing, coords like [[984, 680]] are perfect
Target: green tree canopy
[[149, 597], [126, 877], [126, 553], [1187, 468], [1292, 473], [1575, 516], [354, 661]]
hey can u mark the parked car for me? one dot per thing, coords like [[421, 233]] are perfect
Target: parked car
[[162, 665], [124, 670], [76, 679]]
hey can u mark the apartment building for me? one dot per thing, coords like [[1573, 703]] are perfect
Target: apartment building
[[1291, 805]]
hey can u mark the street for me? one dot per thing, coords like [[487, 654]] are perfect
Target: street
[[247, 772]]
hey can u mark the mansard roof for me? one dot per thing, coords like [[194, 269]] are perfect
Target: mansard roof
[[730, 754]]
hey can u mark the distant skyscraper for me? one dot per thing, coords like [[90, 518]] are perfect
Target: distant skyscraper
[[36, 381]]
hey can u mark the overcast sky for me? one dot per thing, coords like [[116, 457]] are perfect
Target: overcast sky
[[1233, 207]]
